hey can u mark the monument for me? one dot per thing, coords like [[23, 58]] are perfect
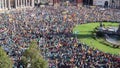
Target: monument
[[110, 34], [118, 31]]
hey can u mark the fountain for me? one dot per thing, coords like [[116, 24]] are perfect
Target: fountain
[[111, 34]]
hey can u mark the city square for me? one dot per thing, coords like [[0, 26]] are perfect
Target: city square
[[58, 33]]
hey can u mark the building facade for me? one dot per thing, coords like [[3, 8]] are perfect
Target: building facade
[[42, 1], [101, 2], [115, 3], [71, 1], [110, 3], [9, 4]]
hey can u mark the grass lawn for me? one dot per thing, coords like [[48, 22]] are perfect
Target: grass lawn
[[84, 35]]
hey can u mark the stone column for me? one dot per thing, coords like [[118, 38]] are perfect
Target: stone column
[[21, 3], [26, 3], [15, 3], [5, 5], [32, 3], [116, 3], [0, 4], [18, 3], [119, 4], [29, 3], [9, 5]]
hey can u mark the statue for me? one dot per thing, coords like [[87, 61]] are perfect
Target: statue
[[101, 25], [110, 34], [118, 31]]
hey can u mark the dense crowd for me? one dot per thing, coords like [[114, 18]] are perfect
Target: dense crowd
[[52, 28], [69, 53]]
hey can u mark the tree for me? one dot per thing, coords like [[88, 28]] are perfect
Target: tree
[[32, 57], [5, 61]]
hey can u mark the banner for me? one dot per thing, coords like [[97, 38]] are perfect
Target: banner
[[100, 2]]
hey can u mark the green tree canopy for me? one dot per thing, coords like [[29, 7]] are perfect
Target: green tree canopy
[[32, 57], [5, 61]]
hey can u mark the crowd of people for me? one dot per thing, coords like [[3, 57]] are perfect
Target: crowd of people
[[70, 53], [52, 28]]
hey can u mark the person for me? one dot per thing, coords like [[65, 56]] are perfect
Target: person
[[54, 36]]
